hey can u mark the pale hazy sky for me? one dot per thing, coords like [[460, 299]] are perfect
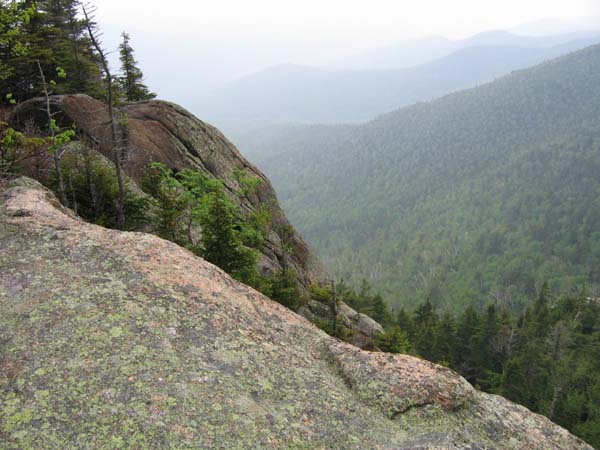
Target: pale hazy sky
[[376, 20], [212, 41]]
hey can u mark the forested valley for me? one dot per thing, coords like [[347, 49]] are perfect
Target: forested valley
[[477, 197]]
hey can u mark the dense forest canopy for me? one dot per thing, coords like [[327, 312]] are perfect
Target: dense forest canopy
[[481, 195]]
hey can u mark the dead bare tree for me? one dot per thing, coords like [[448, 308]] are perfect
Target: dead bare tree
[[56, 148], [88, 14], [334, 309]]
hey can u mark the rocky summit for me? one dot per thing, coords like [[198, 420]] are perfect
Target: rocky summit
[[158, 131], [114, 339]]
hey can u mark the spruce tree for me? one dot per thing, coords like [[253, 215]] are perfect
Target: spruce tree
[[49, 32], [131, 79], [222, 241]]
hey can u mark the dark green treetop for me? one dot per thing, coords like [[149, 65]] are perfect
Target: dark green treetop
[[131, 79]]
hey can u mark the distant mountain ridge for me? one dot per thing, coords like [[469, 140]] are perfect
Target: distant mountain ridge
[[420, 51], [483, 194], [290, 93]]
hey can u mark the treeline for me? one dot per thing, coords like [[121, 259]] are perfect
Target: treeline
[[546, 358], [54, 34]]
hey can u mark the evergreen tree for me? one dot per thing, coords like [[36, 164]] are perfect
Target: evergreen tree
[[468, 327], [405, 322], [445, 340], [131, 79], [74, 53], [393, 340], [222, 241], [49, 32], [284, 289], [425, 320], [172, 201]]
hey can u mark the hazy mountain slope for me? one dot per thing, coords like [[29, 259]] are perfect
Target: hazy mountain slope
[[486, 192], [291, 93]]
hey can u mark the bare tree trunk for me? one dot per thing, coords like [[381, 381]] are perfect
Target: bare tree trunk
[[113, 123], [57, 152], [59, 179], [90, 182], [334, 309], [73, 196]]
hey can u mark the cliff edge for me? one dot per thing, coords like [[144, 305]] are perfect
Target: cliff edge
[[114, 339]]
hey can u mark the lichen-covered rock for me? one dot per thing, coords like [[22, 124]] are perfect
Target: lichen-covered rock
[[167, 133], [164, 132], [123, 340], [396, 383], [361, 327]]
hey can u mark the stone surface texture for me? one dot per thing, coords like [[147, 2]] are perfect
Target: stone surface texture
[[114, 339]]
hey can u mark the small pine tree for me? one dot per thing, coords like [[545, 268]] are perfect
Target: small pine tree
[[284, 289], [130, 81], [394, 340], [222, 241]]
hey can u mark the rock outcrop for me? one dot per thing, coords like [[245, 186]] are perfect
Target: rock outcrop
[[115, 339], [362, 327], [164, 132]]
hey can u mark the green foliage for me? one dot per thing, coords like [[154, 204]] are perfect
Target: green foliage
[[191, 204], [92, 190], [321, 294], [173, 202], [222, 241], [15, 149], [393, 340], [52, 32], [365, 301], [248, 184], [49, 31], [13, 17], [547, 358], [481, 194], [283, 287]]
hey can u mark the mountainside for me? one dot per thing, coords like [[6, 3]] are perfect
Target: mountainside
[[111, 339], [480, 195], [291, 93]]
